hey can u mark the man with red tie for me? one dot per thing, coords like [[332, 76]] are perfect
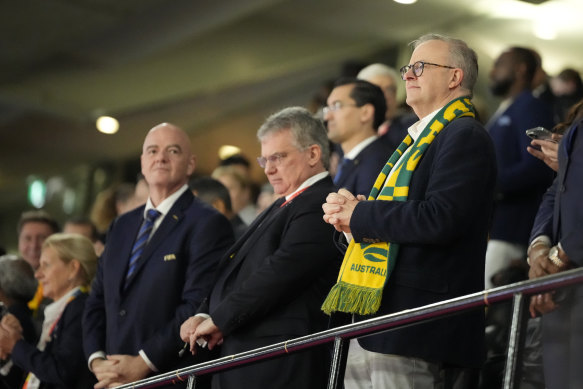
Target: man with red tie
[[273, 280]]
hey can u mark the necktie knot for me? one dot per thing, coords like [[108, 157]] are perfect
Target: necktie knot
[[152, 215]]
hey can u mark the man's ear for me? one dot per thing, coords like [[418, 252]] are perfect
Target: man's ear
[[315, 155], [367, 113], [191, 165], [456, 78]]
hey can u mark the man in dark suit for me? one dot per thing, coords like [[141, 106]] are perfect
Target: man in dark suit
[[439, 224], [356, 108], [558, 223], [522, 179], [272, 281], [148, 283]]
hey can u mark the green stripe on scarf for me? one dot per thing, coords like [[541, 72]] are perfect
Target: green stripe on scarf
[[367, 267]]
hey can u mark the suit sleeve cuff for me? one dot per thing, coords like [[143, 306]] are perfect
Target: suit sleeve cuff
[[148, 362], [94, 356]]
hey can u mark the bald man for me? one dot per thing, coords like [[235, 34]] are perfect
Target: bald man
[[158, 265]]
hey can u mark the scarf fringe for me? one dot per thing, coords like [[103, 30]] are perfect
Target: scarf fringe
[[351, 298]]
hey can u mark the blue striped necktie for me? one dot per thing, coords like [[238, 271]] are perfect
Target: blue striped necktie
[[142, 239]]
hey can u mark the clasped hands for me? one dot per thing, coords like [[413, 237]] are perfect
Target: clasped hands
[[10, 333], [339, 207], [200, 327], [541, 266], [117, 370]]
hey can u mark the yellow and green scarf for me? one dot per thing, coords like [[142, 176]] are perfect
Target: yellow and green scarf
[[367, 267]]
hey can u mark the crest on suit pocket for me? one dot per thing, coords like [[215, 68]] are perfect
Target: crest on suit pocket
[[169, 257]]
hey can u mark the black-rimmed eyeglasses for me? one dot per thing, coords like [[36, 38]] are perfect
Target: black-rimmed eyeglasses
[[418, 67]]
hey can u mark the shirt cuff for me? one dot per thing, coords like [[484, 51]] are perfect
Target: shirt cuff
[[95, 355], [148, 362], [203, 315], [543, 239]]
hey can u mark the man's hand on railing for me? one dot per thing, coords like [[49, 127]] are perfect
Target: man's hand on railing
[[208, 331], [118, 370], [187, 330], [541, 265]]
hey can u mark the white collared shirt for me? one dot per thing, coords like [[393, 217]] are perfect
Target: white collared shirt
[[353, 153], [310, 181], [164, 207]]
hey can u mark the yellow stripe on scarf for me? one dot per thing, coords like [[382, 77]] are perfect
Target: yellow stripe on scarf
[[367, 267]]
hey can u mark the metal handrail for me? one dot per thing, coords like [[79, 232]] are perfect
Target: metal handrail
[[370, 326]]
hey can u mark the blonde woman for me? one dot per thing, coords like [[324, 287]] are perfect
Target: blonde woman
[[67, 265]]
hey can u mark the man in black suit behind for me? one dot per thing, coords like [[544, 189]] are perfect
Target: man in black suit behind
[[434, 207], [356, 108], [142, 293], [273, 280]]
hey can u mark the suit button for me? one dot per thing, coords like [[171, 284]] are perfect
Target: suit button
[[122, 312]]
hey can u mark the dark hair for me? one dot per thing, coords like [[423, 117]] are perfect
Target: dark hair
[[85, 221], [37, 216], [575, 113], [208, 190], [237, 159], [364, 92], [527, 57]]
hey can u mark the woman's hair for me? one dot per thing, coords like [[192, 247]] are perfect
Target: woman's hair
[[74, 246], [575, 113]]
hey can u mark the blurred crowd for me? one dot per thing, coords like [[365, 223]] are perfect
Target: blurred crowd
[[176, 259]]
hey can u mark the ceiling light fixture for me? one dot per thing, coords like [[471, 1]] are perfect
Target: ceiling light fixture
[[107, 124], [405, 1]]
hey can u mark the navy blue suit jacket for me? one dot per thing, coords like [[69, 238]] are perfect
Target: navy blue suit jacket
[[560, 215], [561, 218], [442, 230], [173, 276], [270, 288], [61, 365], [522, 178], [358, 176]]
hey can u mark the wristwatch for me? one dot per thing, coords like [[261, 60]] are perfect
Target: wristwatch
[[554, 257]]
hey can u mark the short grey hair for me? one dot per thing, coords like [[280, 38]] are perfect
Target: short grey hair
[[462, 56], [17, 280], [378, 69], [305, 129]]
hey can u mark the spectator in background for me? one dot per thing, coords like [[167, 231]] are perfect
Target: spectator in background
[[141, 192], [33, 228], [356, 108], [522, 179], [215, 194], [568, 89], [266, 197], [103, 211], [84, 226], [158, 265], [394, 128], [17, 288], [67, 266], [239, 188]]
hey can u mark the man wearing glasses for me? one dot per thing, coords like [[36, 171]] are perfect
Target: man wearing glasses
[[356, 108], [272, 281], [426, 226]]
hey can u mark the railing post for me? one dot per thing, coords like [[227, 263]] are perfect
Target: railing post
[[513, 368], [191, 382], [338, 365]]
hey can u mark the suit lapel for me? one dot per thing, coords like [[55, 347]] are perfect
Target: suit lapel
[[169, 223]]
